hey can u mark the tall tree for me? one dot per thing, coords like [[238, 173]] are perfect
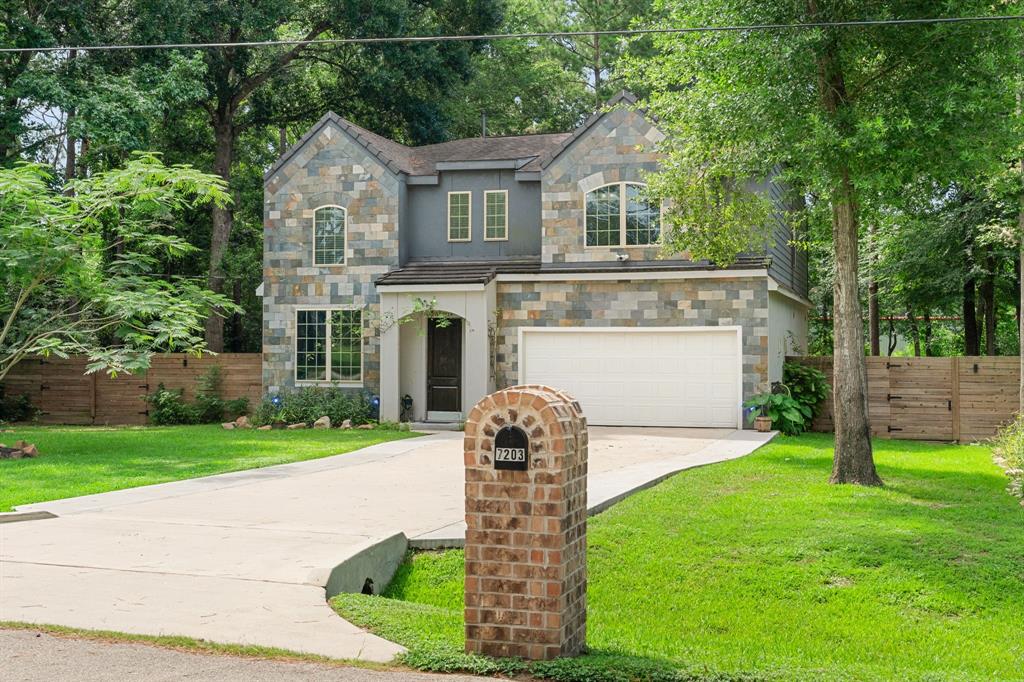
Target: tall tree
[[243, 83], [849, 114]]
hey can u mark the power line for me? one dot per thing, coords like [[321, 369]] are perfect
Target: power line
[[520, 36]]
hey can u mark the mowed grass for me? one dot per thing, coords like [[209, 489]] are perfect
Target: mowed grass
[[758, 568], [82, 460]]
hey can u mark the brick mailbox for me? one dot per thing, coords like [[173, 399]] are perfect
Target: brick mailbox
[[526, 518]]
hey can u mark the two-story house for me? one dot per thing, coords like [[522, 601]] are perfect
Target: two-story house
[[543, 253]]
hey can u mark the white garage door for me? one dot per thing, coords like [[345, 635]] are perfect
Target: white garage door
[[640, 377]]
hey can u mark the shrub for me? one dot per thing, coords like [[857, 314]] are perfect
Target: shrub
[[787, 414], [16, 408], [1008, 447], [310, 403], [806, 385], [168, 407], [210, 406]]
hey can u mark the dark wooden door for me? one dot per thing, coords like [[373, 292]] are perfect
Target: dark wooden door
[[444, 366]]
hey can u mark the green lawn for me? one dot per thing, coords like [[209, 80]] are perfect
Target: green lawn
[[81, 460], [757, 568]]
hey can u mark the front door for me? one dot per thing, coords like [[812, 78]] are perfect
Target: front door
[[444, 368]]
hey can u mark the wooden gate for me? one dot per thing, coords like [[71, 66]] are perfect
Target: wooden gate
[[920, 399]]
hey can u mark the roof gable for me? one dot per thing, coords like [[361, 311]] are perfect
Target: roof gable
[[535, 151]]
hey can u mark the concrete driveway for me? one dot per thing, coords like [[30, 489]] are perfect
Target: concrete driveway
[[244, 557]]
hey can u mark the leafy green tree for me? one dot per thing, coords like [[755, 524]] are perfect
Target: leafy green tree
[[80, 270], [849, 115], [251, 87]]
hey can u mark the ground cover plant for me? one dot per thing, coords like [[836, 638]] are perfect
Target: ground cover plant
[[758, 569], [1009, 451], [82, 460]]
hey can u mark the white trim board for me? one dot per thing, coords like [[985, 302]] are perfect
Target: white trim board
[[629, 276]]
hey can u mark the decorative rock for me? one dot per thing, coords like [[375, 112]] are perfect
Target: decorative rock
[[266, 427], [347, 424], [365, 426], [323, 422], [243, 422], [227, 426], [300, 425]]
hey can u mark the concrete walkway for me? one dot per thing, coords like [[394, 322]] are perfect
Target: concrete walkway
[[243, 558]]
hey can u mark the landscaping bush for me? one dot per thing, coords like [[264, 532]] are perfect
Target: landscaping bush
[[787, 414], [1008, 447], [806, 385], [168, 406], [210, 406], [309, 404], [16, 408]]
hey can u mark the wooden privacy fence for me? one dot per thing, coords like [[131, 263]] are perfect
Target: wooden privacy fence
[[64, 394], [944, 399]]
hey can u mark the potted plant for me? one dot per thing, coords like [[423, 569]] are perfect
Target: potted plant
[[762, 422], [778, 410]]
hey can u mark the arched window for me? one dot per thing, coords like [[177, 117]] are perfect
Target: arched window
[[329, 235], [620, 215]]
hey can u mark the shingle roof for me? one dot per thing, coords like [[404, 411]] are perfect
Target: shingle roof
[[482, 272], [539, 149], [455, 272]]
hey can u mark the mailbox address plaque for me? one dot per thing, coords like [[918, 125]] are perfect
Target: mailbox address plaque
[[511, 449]]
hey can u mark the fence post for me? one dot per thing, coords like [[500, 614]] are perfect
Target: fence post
[[955, 398], [92, 398]]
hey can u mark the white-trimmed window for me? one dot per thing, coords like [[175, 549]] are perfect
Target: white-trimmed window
[[329, 345], [620, 215], [496, 215], [329, 235], [460, 222]]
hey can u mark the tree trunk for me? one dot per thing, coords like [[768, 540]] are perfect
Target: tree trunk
[[928, 334], [70, 155], [282, 140], [853, 461], [988, 304], [915, 335], [223, 218], [972, 344], [873, 319], [873, 313], [893, 337], [83, 160], [596, 66]]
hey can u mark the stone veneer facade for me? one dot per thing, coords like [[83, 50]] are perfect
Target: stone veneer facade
[[708, 302], [617, 148], [328, 169]]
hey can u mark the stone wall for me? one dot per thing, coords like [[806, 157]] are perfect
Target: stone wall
[[670, 303], [618, 148], [328, 168]]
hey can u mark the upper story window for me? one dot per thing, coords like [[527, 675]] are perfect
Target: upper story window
[[620, 215], [496, 215], [329, 235], [460, 228]]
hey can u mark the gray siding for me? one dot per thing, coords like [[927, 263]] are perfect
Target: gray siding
[[426, 224], [788, 264]]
